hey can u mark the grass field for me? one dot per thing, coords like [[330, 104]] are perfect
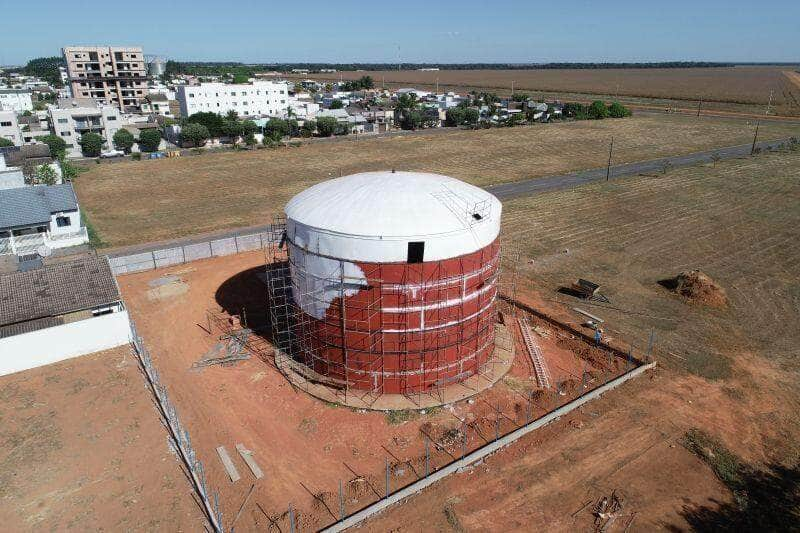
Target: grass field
[[736, 222], [136, 202], [745, 88]]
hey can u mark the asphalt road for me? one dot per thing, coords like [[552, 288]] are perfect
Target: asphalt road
[[531, 186], [507, 191]]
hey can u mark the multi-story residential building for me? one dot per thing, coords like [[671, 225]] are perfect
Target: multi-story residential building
[[73, 117], [157, 104], [9, 127], [109, 75], [15, 100], [261, 98]]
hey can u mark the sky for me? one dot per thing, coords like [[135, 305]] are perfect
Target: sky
[[433, 31]]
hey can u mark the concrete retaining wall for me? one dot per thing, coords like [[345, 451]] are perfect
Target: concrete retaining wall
[[187, 253], [482, 452]]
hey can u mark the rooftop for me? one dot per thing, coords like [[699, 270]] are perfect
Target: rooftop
[[56, 290], [29, 206], [69, 103]]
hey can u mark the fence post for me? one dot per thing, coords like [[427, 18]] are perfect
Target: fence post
[[387, 477], [427, 457], [530, 408], [341, 501]]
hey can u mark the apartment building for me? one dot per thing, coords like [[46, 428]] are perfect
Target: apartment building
[[260, 98], [71, 118], [107, 74], [15, 100], [9, 127]]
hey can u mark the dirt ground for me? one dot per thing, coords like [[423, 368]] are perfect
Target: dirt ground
[[82, 449], [732, 372], [238, 189], [742, 88], [305, 446]]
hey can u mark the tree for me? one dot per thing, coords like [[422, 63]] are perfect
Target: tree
[[276, 129], [232, 115], [411, 120], [57, 145], [45, 175], [326, 126], [212, 121], [308, 128], [598, 110], [68, 171], [455, 116], [250, 138], [294, 127], [232, 129], [91, 144], [5, 142], [149, 140], [123, 140], [617, 110], [365, 82], [248, 127], [574, 110], [471, 116], [337, 104], [195, 134], [240, 78], [46, 68]]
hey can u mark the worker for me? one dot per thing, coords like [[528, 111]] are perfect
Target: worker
[[598, 336]]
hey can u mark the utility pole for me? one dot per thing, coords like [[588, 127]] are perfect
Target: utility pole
[[610, 150], [769, 102], [755, 137], [699, 105]]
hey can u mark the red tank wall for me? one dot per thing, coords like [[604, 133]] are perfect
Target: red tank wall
[[422, 326]]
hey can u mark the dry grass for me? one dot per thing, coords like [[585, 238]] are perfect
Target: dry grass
[[135, 202], [737, 222], [745, 88]]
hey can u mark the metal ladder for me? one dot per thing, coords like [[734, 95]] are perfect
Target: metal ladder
[[535, 353]]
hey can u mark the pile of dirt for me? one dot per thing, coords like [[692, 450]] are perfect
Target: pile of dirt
[[697, 287]]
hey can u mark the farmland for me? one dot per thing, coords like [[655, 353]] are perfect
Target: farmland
[[730, 371], [172, 198], [743, 89]]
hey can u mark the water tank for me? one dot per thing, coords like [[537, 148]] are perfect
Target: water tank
[[394, 276], [156, 67]]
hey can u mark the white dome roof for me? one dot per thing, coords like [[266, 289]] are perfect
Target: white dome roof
[[453, 218]]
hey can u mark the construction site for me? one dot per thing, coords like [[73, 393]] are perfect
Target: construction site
[[375, 344]]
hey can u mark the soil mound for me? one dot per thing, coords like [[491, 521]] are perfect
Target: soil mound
[[697, 287]]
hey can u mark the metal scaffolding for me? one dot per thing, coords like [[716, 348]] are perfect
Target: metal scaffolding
[[327, 355]]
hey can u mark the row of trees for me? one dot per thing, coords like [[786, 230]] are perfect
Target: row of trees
[[364, 82], [597, 110], [46, 68]]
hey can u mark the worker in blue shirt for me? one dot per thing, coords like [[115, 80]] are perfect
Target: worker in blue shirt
[[598, 336]]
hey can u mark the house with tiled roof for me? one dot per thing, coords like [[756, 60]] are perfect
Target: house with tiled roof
[[60, 311]]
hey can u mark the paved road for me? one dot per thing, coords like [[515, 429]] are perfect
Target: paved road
[[531, 186]]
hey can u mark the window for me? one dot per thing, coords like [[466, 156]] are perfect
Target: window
[[111, 118], [233, 93], [5, 124], [63, 222], [66, 133], [191, 95], [63, 120], [416, 251]]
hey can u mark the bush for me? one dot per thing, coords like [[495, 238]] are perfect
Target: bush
[[250, 139], [337, 104], [574, 110], [326, 126], [308, 129], [455, 116], [212, 121], [598, 110], [617, 110], [58, 146], [136, 156], [123, 140], [5, 142], [149, 140], [195, 134], [276, 129], [91, 144], [45, 175]]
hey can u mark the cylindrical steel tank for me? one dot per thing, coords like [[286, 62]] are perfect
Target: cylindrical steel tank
[[394, 275]]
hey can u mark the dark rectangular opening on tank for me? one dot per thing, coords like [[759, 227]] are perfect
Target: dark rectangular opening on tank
[[476, 216], [416, 251]]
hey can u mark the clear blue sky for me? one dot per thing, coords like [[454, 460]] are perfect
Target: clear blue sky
[[427, 31]]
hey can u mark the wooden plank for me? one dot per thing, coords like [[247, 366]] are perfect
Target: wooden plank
[[247, 457], [228, 464], [587, 313]]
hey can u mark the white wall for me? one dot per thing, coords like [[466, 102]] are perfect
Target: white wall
[[46, 346], [9, 127], [18, 101]]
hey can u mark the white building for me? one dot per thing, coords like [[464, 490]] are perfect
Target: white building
[[15, 100], [77, 310], [261, 98], [39, 217], [305, 109], [156, 104], [9, 127], [10, 177], [72, 118]]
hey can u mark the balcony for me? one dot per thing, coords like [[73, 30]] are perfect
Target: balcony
[[32, 243]]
